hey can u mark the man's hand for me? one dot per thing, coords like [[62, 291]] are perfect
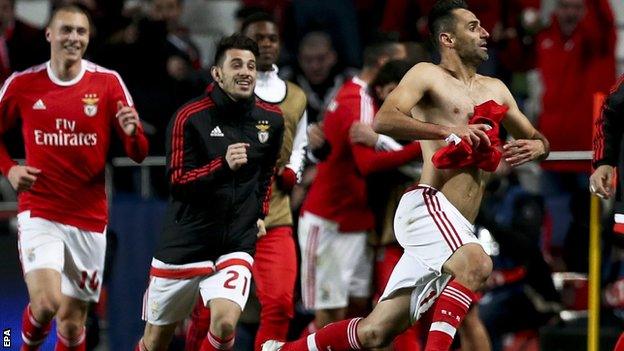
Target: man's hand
[[261, 228], [22, 178], [522, 151], [601, 181], [474, 134], [316, 136], [236, 155], [128, 118], [361, 133]]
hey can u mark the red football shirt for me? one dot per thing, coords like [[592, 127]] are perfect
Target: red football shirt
[[67, 127], [338, 192]]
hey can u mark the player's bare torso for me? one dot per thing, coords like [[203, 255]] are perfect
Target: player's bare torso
[[451, 102]]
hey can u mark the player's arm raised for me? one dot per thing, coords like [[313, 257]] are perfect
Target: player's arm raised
[[529, 143], [394, 117]]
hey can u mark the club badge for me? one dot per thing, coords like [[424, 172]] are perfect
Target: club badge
[[263, 131], [90, 104]]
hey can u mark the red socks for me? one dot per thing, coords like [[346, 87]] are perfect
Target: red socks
[[76, 344], [198, 329], [339, 336], [450, 310], [33, 332], [214, 343]]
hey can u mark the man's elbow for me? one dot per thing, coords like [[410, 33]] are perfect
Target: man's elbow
[[380, 125]]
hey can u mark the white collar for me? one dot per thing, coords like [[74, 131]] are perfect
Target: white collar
[[56, 80], [270, 87], [357, 80]]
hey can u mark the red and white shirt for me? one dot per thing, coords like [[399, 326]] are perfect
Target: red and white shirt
[[338, 192], [67, 126]]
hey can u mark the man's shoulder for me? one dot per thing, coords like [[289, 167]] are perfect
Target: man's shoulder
[[295, 90], [101, 72], [270, 111], [29, 73], [24, 80], [194, 106], [616, 96]]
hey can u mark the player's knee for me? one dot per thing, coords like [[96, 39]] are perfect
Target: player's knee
[[69, 328], [44, 307], [474, 274], [482, 268], [373, 335], [224, 326]]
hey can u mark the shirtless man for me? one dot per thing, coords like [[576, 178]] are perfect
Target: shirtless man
[[443, 263]]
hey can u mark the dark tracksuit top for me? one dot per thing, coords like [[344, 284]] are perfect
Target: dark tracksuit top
[[212, 210], [609, 147]]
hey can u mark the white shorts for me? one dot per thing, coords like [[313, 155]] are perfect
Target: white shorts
[[173, 289], [430, 229], [334, 265], [75, 253]]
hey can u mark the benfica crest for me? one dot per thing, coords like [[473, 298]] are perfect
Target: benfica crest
[[263, 131], [90, 104]]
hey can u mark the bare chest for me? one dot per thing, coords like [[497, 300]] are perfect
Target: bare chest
[[451, 102]]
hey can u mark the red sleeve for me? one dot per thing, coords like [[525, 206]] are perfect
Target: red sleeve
[[9, 113], [136, 146], [369, 161]]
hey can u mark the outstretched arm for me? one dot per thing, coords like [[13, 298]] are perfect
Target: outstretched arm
[[529, 143]]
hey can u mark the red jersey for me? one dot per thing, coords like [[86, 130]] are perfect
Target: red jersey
[[572, 70], [338, 193], [66, 127]]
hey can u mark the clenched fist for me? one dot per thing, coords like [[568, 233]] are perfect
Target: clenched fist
[[236, 155]]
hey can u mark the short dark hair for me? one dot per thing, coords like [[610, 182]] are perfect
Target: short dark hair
[[441, 17], [383, 45], [255, 18], [72, 8], [391, 72], [247, 11], [234, 41]]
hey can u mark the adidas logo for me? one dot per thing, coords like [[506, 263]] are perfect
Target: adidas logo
[[39, 105], [216, 132]]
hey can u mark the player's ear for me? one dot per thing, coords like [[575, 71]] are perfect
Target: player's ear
[[215, 72], [48, 33], [447, 39]]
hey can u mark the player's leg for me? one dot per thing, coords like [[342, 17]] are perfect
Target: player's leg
[[42, 255], [156, 337], [198, 326], [226, 292], [224, 315], [168, 299], [434, 232], [44, 290], [80, 284], [275, 272], [359, 270], [472, 332], [387, 258], [70, 324], [470, 267], [389, 318]]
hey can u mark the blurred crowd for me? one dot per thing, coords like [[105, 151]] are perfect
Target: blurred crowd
[[534, 220]]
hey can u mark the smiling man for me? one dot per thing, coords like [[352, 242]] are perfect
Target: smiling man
[[275, 261], [69, 107], [221, 153]]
